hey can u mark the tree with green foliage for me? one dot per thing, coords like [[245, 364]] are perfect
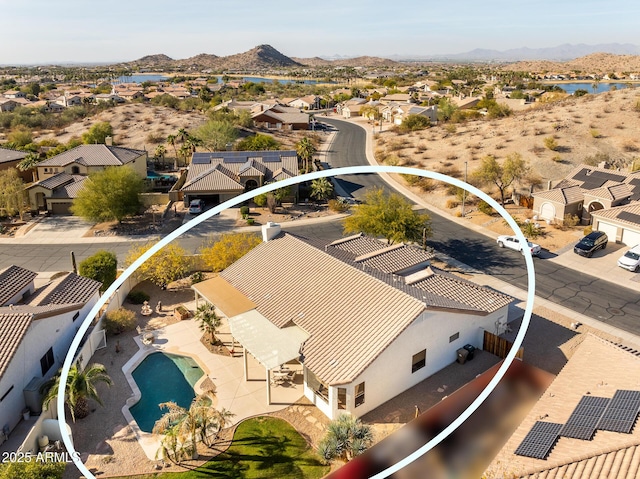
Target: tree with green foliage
[[390, 216], [446, 108], [81, 386], [503, 175], [222, 252], [29, 162], [346, 438], [272, 199], [101, 266], [32, 470], [98, 133], [216, 134], [415, 122], [321, 189], [160, 152], [305, 150], [110, 194], [12, 194], [258, 142], [167, 265], [20, 138]]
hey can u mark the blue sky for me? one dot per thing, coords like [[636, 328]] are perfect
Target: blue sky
[[37, 31]]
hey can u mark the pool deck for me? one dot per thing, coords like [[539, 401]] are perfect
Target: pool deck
[[243, 398]]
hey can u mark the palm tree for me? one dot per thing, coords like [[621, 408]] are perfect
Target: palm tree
[[209, 320], [81, 386], [305, 150], [346, 438], [185, 152], [171, 140], [321, 189], [29, 162], [160, 152], [191, 143]]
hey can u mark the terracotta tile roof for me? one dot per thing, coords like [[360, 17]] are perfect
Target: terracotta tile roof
[[216, 178], [598, 368], [94, 155], [69, 289], [13, 280], [70, 190], [348, 307], [13, 327]]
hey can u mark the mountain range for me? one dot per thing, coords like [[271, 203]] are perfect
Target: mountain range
[[265, 57]]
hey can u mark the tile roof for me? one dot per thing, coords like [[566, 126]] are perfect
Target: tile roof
[[612, 192], [94, 155], [216, 178], [627, 214], [598, 368], [55, 181], [564, 195], [394, 260], [358, 244], [7, 155], [70, 190], [348, 307], [13, 327], [13, 280], [68, 289]]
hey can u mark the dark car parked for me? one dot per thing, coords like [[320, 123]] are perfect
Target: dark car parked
[[592, 242]]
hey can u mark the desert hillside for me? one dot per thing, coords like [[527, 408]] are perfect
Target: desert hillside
[[589, 129], [595, 63]]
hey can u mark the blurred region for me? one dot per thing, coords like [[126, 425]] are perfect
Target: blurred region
[[468, 451]]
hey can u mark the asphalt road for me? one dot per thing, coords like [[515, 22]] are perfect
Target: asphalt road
[[602, 300]]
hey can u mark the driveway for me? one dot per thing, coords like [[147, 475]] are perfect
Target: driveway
[[603, 265]]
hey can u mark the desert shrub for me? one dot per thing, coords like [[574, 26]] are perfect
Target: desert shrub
[[156, 137], [451, 203], [197, 277], [630, 147], [244, 211], [486, 208], [119, 321], [551, 143], [338, 206], [587, 230], [260, 200], [556, 158], [137, 297], [450, 128], [570, 220], [594, 160], [426, 184], [415, 122], [595, 133], [412, 180]]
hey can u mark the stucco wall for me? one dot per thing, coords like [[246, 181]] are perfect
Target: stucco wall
[[390, 374]]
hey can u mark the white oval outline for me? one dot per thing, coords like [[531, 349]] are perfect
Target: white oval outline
[[349, 170]]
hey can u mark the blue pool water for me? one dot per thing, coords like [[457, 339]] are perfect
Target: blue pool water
[[161, 378]]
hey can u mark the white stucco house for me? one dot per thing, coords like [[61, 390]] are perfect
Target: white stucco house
[[38, 319], [366, 320]]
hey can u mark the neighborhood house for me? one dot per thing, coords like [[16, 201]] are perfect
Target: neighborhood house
[[365, 319]]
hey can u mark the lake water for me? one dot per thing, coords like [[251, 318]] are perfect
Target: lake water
[[602, 86], [141, 78]]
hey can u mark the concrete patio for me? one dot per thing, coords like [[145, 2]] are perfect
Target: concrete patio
[[243, 398]]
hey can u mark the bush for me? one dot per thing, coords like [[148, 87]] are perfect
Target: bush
[[426, 184], [119, 321], [260, 200], [244, 211], [486, 208], [551, 143], [587, 230], [197, 277], [137, 297], [338, 206], [452, 203], [102, 267], [570, 220], [415, 122]]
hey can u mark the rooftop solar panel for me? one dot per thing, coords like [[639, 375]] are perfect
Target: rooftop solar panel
[[585, 417], [628, 216], [622, 412], [539, 440]]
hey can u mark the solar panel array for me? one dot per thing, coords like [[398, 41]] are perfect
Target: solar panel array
[[595, 179], [622, 412], [628, 216], [617, 414], [539, 440], [585, 417], [635, 190]]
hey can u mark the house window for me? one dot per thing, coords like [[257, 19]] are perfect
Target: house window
[[317, 386], [453, 337], [6, 394], [342, 398], [46, 362], [359, 394], [75, 170], [46, 170], [418, 360]]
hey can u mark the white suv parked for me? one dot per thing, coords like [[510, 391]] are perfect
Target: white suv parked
[[631, 259]]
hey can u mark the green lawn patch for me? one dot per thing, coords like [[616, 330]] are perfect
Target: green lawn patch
[[262, 447]]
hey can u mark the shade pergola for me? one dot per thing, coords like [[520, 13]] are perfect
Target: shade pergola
[[224, 296]]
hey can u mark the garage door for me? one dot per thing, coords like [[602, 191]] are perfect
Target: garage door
[[547, 211], [60, 208], [630, 237], [611, 230]]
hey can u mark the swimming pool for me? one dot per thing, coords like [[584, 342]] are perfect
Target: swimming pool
[[163, 377]]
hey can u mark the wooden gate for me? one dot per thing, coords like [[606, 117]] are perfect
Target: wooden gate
[[499, 346]]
